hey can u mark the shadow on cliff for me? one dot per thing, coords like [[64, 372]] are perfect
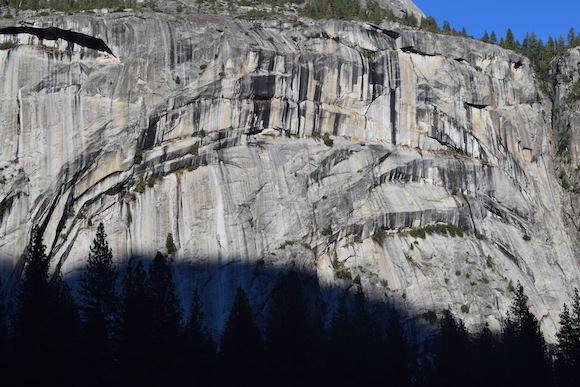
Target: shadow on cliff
[[54, 33], [311, 334], [217, 284]]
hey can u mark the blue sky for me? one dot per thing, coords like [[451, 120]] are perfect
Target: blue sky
[[543, 17]]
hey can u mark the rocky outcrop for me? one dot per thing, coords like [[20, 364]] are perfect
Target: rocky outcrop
[[263, 144]]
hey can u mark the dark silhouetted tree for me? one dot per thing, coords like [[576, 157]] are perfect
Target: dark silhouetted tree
[[565, 349], [135, 348], [290, 335], [398, 355], [524, 348], [341, 343], [241, 344], [453, 353], [368, 336], [166, 316], [98, 306], [200, 351], [485, 358], [567, 366], [64, 326], [31, 323]]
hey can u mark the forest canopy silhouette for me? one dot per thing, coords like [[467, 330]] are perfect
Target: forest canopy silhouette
[[139, 334]]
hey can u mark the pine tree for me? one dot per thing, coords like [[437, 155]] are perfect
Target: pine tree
[[572, 39], [200, 346], [493, 37], [446, 27], [341, 343], [524, 347], [485, 38], [135, 326], [98, 306], [576, 325], [31, 324], [551, 47], [166, 315], [429, 23], [485, 359], [560, 45], [452, 359], [567, 365], [566, 349], [510, 42], [398, 354], [64, 326], [290, 333], [367, 335], [241, 344]]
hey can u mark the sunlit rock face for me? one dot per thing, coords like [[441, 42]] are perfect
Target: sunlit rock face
[[399, 7], [212, 129]]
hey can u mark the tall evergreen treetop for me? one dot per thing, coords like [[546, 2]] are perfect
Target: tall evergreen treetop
[[135, 327], [241, 336], [97, 287], [197, 332], [98, 306], [35, 282], [524, 346], [510, 41], [453, 353], [567, 365], [167, 312], [31, 324], [200, 345], [399, 358], [32, 306]]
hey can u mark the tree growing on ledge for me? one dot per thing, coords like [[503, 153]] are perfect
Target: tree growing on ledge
[[170, 244]]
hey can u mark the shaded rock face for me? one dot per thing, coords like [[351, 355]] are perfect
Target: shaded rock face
[[211, 129], [566, 128]]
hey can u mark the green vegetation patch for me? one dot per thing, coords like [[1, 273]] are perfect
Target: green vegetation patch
[[6, 45], [442, 229]]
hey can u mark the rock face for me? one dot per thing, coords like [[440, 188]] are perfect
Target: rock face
[[402, 6], [566, 129], [268, 144]]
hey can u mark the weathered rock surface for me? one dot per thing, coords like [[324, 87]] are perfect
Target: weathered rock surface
[[566, 128], [427, 130]]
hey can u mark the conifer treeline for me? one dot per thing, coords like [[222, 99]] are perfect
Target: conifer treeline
[[140, 337]]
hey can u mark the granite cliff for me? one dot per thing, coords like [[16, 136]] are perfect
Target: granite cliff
[[270, 144]]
